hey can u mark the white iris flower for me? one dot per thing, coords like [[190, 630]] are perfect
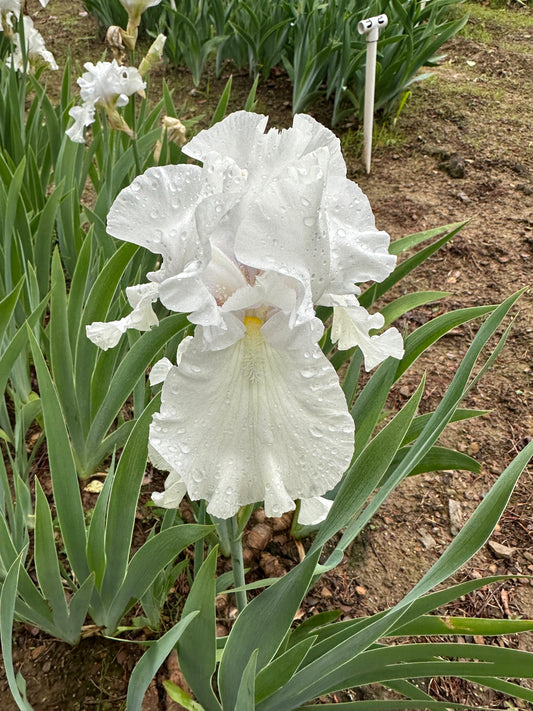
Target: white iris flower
[[36, 51], [265, 230], [105, 84], [14, 6], [8, 6], [135, 8]]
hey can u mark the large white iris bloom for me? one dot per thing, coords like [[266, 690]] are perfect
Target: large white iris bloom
[[251, 241]]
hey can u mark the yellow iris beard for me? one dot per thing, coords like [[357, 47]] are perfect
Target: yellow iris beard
[[252, 324], [253, 349]]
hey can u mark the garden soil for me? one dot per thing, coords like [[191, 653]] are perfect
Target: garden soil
[[461, 150]]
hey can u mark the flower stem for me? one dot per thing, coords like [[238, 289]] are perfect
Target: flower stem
[[136, 156], [199, 545], [237, 563]]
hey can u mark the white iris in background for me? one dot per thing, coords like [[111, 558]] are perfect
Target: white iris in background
[[8, 6], [15, 5], [135, 8], [36, 51], [265, 230], [105, 84]]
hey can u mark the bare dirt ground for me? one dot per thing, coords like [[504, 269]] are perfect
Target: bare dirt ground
[[462, 149]]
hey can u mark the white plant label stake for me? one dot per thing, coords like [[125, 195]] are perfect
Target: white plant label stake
[[370, 27]]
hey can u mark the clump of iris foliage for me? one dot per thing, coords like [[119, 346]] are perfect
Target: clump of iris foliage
[[63, 275], [316, 42]]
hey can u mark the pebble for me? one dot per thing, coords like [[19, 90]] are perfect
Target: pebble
[[501, 551], [427, 539], [456, 516]]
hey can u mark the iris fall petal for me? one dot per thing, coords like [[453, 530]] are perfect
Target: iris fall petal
[[253, 423]]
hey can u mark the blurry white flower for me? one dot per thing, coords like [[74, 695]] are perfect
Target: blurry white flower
[[105, 84], [13, 6], [135, 8], [108, 83], [36, 51], [266, 229], [7, 6], [8, 9]]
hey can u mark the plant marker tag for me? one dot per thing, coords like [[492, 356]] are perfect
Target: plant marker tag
[[370, 27]]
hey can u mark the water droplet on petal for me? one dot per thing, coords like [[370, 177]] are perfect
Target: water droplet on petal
[[315, 432]]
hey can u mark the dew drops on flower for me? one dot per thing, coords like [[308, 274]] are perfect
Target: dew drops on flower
[[252, 240]]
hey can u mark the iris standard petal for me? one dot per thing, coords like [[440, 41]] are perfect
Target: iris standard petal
[[318, 136], [253, 423], [234, 137], [290, 240], [157, 212], [359, 252]]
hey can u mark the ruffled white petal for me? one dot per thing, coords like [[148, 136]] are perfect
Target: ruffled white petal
[[142, 318], [106, 335], [175, 488], [314, 510], [290, 241], [252, 423], [159, 371], [104, 82], [161, 205], [269, 290], [174, 492], [235, 137], [351, 326], [318, 136], [279, 332], [162, 368], [359, 252], [83, 116]]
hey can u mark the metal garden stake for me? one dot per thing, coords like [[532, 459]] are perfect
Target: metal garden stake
[[370, 27]]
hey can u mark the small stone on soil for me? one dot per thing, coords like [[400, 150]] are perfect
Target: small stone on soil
[[501, 551], [456, 516], [454, 166], [427, 539]]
